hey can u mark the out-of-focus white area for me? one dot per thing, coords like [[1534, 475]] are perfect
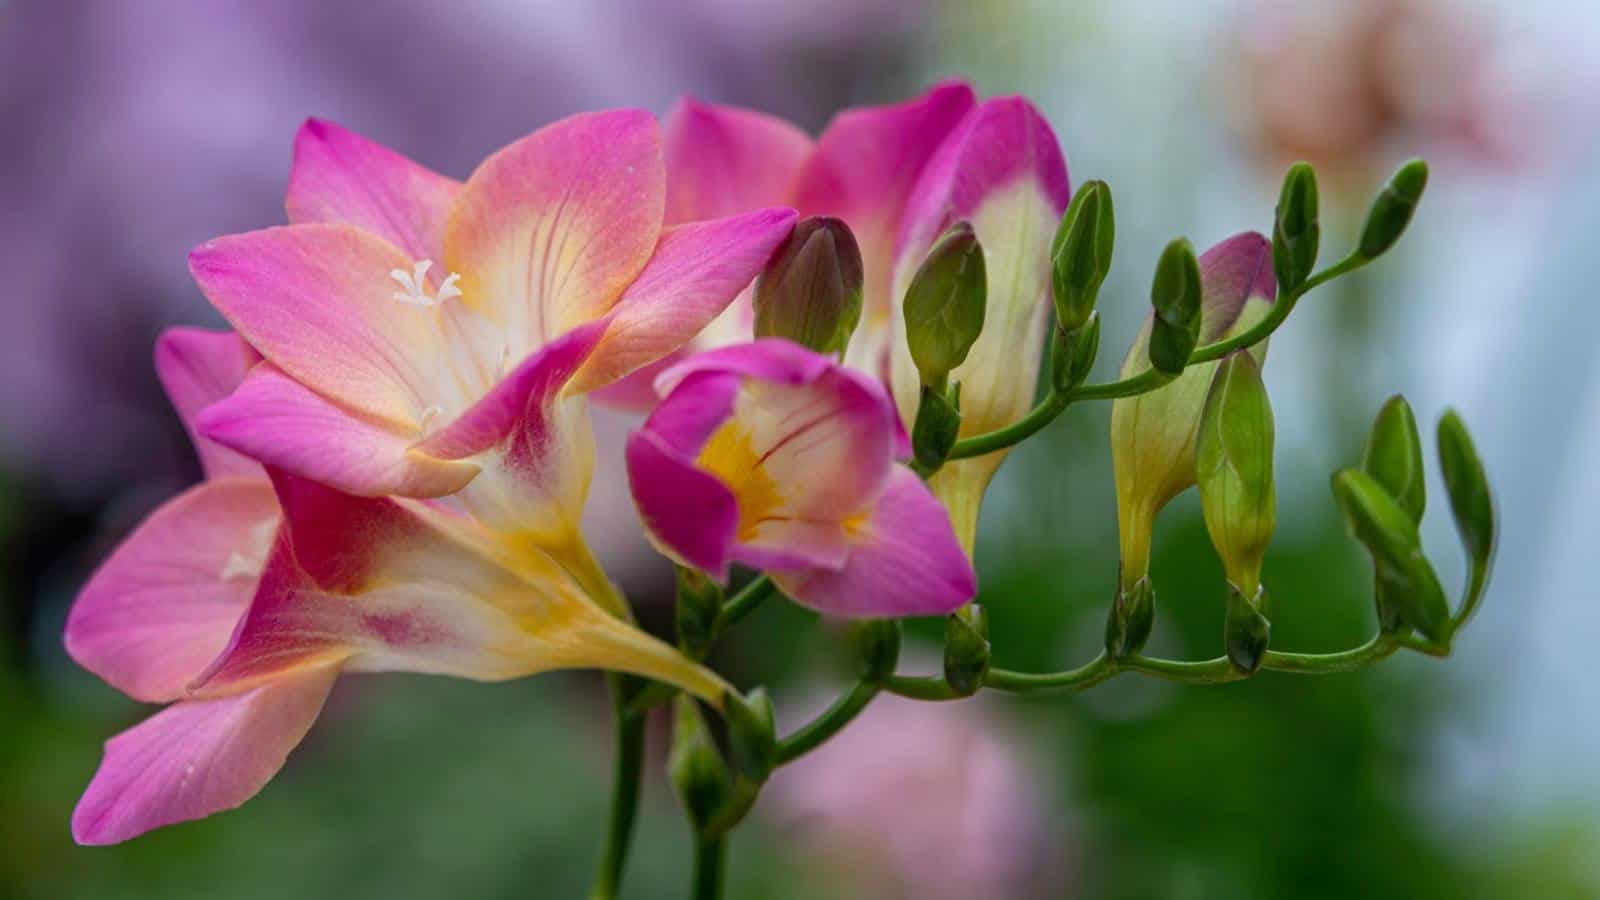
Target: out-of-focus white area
[[1487, 305]]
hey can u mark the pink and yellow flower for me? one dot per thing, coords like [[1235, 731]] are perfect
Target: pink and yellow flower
[[425, 338], [774, 456], [241, 601]]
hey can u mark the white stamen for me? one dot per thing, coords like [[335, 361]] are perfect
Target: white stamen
[[428, 415], [415, 283]]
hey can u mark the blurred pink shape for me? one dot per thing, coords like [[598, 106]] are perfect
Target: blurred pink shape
[[925, 800]]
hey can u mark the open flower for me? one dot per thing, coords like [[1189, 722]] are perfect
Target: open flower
[[724, 160], [241, 601], [424, 337], [1002, 172], [774, 456]]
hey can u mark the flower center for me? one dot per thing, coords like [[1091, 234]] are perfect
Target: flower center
[[415, 283]]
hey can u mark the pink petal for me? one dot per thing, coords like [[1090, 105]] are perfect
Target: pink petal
[[317, 300], [697, 270], [1003, 172], [198, 368], [905, 561], [723, 161], [1231, 273], [688, 514], [379, 585], [277, 420], [549, 231], [865, 166], [164, 604], [340, 177], [197, 758]]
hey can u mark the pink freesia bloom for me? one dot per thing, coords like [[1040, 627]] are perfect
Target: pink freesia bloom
[[1001, 171], [425, 337], [241, 601], [774, 456], [724, 160]]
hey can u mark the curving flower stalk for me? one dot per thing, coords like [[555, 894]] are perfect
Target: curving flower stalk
[[242, 600], [425, 338], [774, 456], [1003, 173]]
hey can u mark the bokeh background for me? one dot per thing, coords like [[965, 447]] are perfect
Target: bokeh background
[[131, 131]]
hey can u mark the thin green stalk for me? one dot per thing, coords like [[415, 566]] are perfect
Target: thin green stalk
[[710, 857], [922, 687], [628, 765], [1085, 676], [825, 726], [745, 602], [1051, 406]]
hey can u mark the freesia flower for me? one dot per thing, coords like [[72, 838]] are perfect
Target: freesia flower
[[424, 337], [1001, 171], [723, 160], [774, 456], [1153, 434], [242, 600]]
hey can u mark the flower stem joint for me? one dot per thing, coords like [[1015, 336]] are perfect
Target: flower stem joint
[[695, 616], [752, 735], [877, 643], [1132, 617], [966, 649]]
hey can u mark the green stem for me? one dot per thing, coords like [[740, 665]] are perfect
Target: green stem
[[709, 859], [1055, 402], [922, 687], [825, 726], [1085, 676], [744, 602], [629, 764]]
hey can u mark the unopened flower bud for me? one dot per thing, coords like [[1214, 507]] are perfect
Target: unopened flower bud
[[1072, 354], [1405, 576], [945, 304], [1391, 212], [699, 603], [877, 643], [811, 290], [1296, 232], [695, 766], [1393, 456], [752, 733], [1133, 615], [1468, 485], [1081, 254], [1246, 630], [966, 649], [1175, 296], [1233, 466], [938, 425]]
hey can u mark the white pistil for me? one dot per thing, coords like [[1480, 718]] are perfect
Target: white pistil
[[415, 283], [248, 561]]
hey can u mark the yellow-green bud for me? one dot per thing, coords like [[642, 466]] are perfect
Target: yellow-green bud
[[945, 304], [1080, 257], [811, 289], [1233, 466]]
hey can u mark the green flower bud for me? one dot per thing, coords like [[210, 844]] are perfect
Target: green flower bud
[[1393, 457], [1406, 579], [695, 766], [695, 616], [1468, 485], [1246, 630], [945, 304], [877, 644], [1233, 466], [811, 290], [1296, 232], [938, 426], [1081, 254], [1072, 353], [1391, 212], [752, 733], [1175, 296], [1132, 617], [966, 649]]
